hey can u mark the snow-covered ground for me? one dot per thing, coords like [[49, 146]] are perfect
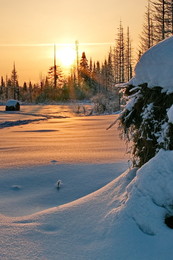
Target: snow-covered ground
[[41, 135], [101, 211]]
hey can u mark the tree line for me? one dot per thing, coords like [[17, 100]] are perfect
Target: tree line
[[85, 81], [89, 78]]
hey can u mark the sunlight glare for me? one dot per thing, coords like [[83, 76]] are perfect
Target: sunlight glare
[[66, 55]]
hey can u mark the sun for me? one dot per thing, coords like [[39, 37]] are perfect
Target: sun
[[66, 55]]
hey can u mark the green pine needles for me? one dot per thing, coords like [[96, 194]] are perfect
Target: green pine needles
[[145, 122]]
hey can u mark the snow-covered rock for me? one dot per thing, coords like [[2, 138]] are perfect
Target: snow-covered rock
[[12, 105], [155, 67]]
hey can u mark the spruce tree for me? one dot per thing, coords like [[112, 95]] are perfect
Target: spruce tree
[[14, 83], [59, 77], [2, 89], [145, 119], [25, 86], [30, 92], [84, 70]]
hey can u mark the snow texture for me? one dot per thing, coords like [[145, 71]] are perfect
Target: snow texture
[[155, 67], [12, 102], [122, 220], [98, 213], [170, 114]]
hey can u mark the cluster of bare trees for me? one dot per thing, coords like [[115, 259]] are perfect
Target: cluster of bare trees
[[158, 23], [122, 56]]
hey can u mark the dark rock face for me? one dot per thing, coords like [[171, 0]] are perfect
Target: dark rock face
[[169, 221]]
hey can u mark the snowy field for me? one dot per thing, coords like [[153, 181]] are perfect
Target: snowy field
[[39, 146], [101, 211]]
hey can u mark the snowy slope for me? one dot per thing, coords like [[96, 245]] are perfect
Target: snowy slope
[[155, 67], [99, 212], [123, 220]]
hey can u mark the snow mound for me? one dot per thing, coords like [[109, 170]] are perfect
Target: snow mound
[[155, 67], [148, 197], [150, 194], [122, 220], [12, 102]]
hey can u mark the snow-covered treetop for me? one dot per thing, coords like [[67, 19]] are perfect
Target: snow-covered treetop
[[156, 67]]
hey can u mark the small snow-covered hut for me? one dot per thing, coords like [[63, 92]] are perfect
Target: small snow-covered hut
[[12, 105]]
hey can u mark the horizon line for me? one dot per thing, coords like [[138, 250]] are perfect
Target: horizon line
[[52, 44]]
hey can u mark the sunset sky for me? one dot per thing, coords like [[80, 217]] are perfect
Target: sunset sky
[[30, 28]]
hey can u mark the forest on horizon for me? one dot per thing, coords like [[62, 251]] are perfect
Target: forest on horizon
[[89, 78]]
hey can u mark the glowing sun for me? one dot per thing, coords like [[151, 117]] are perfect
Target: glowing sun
[[66, 55]]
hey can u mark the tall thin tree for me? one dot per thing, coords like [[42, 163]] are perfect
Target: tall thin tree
[[147, 38], [55, 68], [128, 57], [119, 52]]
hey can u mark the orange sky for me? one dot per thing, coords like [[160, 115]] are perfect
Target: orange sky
[[26, 25]]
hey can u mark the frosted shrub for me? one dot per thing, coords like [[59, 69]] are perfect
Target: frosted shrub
[[146, 120], [104, 104], [58, 184], [79, 109]]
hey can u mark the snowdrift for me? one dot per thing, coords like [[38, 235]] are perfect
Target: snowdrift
[[155, 67], [122, 220]]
